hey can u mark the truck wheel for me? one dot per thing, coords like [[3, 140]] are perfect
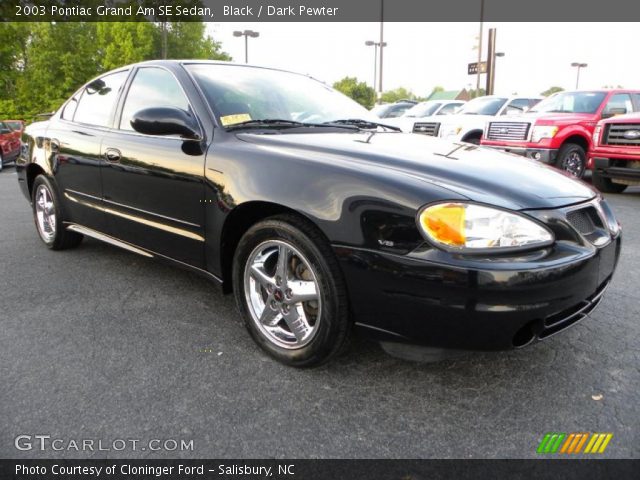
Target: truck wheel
[[290, 291], [606, 185], [573, 159], [47, 214]]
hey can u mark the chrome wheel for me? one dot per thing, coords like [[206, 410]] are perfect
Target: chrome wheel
[[573, 163], [45, 213], [282, 294]]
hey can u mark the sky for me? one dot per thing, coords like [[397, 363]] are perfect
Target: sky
[[420, 56]]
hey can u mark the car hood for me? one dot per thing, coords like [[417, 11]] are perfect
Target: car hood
[[554, 118], [479, 174], [467, 120]]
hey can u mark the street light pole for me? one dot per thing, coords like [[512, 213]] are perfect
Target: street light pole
[[578, 65], [246, 34], [382, 44], [375, 45]]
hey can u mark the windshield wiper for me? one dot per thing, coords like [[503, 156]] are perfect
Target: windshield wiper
[[278, 123], [360, 123]]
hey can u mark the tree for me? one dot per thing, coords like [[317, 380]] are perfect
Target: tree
[[475, 93], [401, 93], [43, 63], [359, 91], [551, 91]]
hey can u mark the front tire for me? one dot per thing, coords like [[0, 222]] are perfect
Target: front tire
[[606, 185], [290, 291], [572, 159], [47, 214]]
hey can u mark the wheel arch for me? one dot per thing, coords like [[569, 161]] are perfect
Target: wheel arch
[[241, 219], [475, 133], [578, 139], [32, 171]]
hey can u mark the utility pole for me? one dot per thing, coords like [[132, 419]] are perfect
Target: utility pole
[[491, 61]]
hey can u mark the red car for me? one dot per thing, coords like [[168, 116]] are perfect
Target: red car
[[616, 153], [9, 144], [558, 130]]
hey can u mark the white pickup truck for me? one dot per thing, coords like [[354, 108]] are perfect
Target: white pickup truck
[[468, 124], [421, 117]]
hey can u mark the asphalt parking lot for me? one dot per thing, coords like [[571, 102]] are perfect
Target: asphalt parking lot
[[98, 343]]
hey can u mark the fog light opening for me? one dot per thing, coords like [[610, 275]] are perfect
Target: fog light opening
[[536, 156], [524, 336]]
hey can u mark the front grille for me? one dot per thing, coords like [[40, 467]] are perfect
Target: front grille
[[564, 319], [622, 134], [511, 131], [585, 220], [427, 128]]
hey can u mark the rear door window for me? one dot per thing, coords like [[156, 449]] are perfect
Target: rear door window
[[98, 100]]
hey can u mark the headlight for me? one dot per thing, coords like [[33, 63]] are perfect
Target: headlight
[[543, 131], [596, 135], [449, 130], [467, 226]]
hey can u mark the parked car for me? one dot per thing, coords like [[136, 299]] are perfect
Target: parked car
[[16, 126], [418, 119], [321, 224], [615, 154], [558, 131], [392, 110], [9, 145], [468, 124]]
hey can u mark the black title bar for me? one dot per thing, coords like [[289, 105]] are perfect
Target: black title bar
[[324, 11]]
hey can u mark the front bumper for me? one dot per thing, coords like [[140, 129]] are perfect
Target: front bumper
[[617, 167], [462, 306], [544, 155]]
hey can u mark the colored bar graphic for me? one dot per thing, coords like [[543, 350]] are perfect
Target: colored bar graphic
[[573, 443]]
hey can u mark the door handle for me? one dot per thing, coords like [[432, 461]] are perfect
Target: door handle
[[112, 155]]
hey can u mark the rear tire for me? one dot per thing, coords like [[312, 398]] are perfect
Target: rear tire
[[291, 292], [606, 185], [572, 159], [48, 217]]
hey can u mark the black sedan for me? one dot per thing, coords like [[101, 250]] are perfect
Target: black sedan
[[319, 219]]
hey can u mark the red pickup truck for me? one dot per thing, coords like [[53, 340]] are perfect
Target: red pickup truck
[[559, 130], [616, 153], [9, 145]]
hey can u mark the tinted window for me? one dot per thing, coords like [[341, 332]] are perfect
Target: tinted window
[[571, 102], [4, 128], [449, 109], [99, 99], [398, 110], [518, 105], [619, 104], [636, 99], [152, 87], [483, 106], [425, 109]]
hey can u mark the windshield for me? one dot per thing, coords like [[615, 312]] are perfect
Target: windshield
[[571, 102], [425, 109], [240, 94], [483, 106]]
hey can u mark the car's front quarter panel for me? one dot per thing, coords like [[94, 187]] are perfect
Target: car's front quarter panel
[[352, 203]]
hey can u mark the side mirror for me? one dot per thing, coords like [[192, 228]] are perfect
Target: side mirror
[[166, 121], [612, 112]]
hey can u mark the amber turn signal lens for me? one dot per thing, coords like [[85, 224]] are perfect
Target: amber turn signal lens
[[445, 223]]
